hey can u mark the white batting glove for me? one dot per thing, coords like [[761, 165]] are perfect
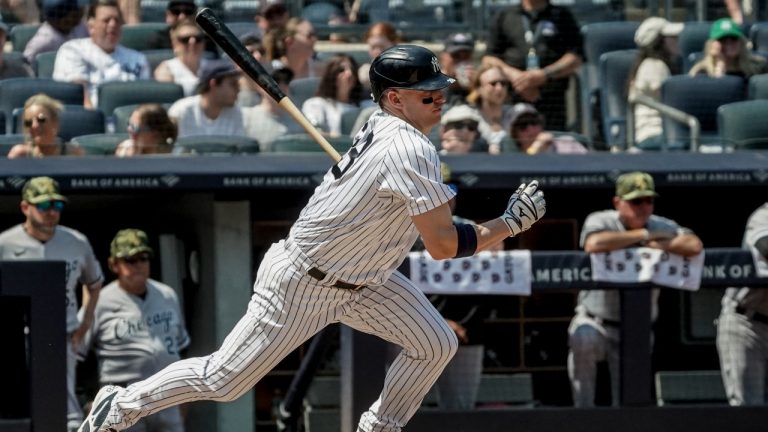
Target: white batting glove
[[525, 207]]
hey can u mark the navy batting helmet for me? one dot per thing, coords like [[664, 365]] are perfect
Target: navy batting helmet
[[409, 67]]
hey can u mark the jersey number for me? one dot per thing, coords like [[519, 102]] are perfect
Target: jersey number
[[353, 154]]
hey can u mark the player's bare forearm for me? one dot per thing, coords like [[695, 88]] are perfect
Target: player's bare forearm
[[90, 298], [686, 245], [490, 233], [606, 241]]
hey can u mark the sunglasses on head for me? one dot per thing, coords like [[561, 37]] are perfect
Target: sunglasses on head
[[142, 258], [463, 124], [186, 10], [41, 119], [50, 205], [185, 39], [640, 201]]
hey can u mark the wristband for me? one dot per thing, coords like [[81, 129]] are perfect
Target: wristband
[[467, 240]]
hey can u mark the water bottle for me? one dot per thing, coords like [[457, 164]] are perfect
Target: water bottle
[[532, 61]]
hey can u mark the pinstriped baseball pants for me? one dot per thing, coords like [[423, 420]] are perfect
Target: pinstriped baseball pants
[[286, 309], [743, 348]]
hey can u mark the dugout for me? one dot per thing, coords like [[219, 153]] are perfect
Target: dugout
[[211, 217]]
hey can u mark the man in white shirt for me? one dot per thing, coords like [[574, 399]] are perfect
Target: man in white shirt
[[212, 111], [100, 58]]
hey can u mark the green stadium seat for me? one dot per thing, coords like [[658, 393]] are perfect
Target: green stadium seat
[[119, 93], [20, 34], [689, 387], [43, 64], [216, 145], [138, 36], [737, 126]]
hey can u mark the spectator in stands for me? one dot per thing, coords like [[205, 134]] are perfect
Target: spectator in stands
[[183, 69], [489, 95], [175, 11], [457, 60], [368, 11], [212, 111], [294, 48], [138, 327], [9, 67], [657, 60], [742, 332], [339, 91], [742, 12], [99, 58], [250, 91], [268, 120], [21, 11], [459, 131], [378, 37], [539, 47], [41, 237], [272, 15], [131, 11], [594, 330], [63, 21], [727, 52], [41, 129], [527, 132], [150, 131]]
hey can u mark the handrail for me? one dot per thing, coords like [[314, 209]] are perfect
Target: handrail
[[672, 112]]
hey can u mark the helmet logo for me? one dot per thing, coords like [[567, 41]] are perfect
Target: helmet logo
[[435, 64]]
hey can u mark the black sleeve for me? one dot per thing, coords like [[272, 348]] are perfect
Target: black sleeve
[[572, 39]]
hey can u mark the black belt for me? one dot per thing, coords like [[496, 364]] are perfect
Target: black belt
[[318, 274], [606, 321], [754, 316]]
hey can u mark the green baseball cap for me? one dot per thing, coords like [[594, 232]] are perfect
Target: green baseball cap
[[725, 27], [40, 189], [635, 185], [129, 242]]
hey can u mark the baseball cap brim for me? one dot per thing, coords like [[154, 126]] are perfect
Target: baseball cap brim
[[134, 251], [437, 82], [639, 194], [47, 197]]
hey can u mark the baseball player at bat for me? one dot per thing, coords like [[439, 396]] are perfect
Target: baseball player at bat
[[338, 263]]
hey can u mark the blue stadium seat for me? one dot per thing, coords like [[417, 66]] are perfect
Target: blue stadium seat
[[138, 36], [7, 141], [20, 34], [14, 92], [302, 89], [693, 37], [758, 87], [157, 56], [737, 126], [74, 120], [103, 144], [303, 143], [216, 145], [321, 12], [43, 64], [758, 34], [118, 93], [613, 73]]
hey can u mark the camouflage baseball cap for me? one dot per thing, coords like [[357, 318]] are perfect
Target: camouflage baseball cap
[[39, 189], [635, 185], [129, 242]]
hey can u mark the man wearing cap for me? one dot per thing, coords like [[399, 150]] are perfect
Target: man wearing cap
[[40, 237], [99, 58], [9, 67], [138, 327], [457, 61], [594, 330], [527, 131], [459, 131], [538, 46], [213, 110], [63, 22]]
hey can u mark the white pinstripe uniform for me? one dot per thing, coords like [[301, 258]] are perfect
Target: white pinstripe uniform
[[742, 329], [357, 229]]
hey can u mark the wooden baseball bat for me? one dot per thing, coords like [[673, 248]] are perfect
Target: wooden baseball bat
[[223, 36]]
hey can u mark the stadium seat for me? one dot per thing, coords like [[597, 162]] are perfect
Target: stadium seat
[[138, 36], [693, 37], [240, 28], [303, 143], [758, 34], [43, 64], [15, 91], [321, 12], [153, 10], [689, 387], [302, 89], [2, 122], [600, 38], [700, 97], [691, 59], [613, 73], [118, 93], [157, 56], [593, 11], [74, 120], [20, 34], [216, 144], [7, 141], [737, 125], [758, 87], [103, 144], [348, 119], [239, 10]]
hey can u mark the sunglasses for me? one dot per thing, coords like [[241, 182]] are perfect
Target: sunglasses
[[41, 119], [185, 39], [136, 129], [136, 259], [464, 124], [525, 123], [50, 205], [640, 201], [186, 10], [503, 83]]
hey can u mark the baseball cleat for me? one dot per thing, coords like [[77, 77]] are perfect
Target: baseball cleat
[[102, 403]]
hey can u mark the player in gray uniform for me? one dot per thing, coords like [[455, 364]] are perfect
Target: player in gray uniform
[[41, 237], [742, 329], [594, 330], [338, 263], [138, 327]]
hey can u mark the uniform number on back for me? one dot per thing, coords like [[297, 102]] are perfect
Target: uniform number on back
[[352, 154]]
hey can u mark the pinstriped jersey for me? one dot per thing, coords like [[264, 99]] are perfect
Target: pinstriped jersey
[[752, 298], [357, 225]]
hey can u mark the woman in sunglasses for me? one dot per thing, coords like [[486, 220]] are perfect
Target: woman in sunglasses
[[188, 45], [41, 129], [489, 94], [150, 131]]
